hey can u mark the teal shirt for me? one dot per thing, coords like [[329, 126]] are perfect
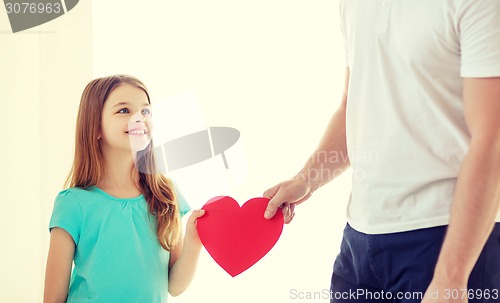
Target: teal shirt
[[117, 256]]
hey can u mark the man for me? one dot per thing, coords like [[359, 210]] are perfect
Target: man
[[422, 93]]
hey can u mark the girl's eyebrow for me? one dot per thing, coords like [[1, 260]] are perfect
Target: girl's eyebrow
[[127, 103]]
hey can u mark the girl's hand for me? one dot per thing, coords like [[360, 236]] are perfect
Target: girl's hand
[[192, 237], [184, 257]]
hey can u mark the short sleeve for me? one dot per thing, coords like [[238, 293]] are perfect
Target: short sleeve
[[67, 215], [479, 26], [184, 207], [342, 28]]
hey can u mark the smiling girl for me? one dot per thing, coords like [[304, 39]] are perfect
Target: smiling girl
[[119, 220]]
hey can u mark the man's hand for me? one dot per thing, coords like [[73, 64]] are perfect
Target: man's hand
[[286, 195]]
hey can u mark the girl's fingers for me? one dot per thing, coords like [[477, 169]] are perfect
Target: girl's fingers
[[196, 214]]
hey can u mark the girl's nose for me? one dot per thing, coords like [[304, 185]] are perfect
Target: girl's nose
[[140, 118]]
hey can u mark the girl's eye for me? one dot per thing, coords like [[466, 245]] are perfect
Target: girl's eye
[[123, 111], [146, 111]]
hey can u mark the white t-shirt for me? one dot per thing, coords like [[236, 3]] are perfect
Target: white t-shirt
[[406, 132]]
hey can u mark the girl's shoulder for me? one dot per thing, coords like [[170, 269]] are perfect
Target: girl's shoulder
[[78, 200], [75, 191], [76, 194]]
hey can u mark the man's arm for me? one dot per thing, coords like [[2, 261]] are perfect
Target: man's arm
[[327, 162], [477, 193]]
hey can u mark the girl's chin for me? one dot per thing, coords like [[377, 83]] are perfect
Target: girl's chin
[[137, 149], [139, 144]]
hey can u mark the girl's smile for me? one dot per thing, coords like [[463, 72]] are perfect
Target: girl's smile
[[126, 111], [137, 132]]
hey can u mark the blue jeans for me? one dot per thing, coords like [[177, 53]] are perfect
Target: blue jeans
[[398, 267]]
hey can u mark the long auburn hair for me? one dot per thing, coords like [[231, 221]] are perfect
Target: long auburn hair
[[88, 165]]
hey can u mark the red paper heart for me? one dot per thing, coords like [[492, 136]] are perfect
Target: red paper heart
[[235, 237]]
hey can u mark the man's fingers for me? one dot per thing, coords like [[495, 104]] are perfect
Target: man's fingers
[[274, 204], [271, 192], [288, 212]]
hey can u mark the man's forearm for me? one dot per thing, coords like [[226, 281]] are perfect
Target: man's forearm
[[476, 203], [330, 159]]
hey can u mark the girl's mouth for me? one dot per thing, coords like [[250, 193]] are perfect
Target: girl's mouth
[[137, 132]]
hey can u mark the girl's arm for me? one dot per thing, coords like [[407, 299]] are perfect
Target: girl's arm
[[184, 257], [59, 261]]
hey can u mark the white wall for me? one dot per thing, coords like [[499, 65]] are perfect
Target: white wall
[[42, 73], [271, 69]]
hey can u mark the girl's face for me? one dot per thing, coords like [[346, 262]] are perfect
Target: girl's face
[[126, 120]]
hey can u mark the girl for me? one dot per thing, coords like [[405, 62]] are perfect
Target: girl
[[118, 220]]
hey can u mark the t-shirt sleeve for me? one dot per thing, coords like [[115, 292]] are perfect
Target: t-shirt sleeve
[[184, 207], [344, 36], [67, 215], [479, 27]]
